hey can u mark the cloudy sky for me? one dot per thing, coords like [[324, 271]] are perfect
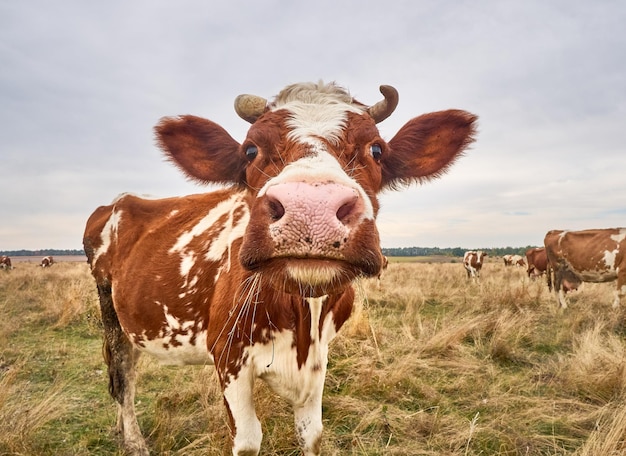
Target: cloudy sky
[[83, 83]]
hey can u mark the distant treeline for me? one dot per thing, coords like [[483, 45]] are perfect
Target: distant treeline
[[391, 252], [452, 251], [42, 252]]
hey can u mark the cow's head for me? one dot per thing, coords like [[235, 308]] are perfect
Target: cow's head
[[313, 162]]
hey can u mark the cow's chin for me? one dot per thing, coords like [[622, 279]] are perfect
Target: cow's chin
[[308, 277]]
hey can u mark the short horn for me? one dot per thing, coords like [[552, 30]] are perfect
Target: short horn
[[383, 109], [250, 107]]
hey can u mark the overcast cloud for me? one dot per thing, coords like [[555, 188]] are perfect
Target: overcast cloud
[[83, 83]]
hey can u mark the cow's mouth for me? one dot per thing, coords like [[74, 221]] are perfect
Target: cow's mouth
[[307, 276]]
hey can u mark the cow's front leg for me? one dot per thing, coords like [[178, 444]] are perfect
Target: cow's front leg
[[308, 418], [245, 427]]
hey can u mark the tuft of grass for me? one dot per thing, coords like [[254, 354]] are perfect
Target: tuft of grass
[[24, 413]]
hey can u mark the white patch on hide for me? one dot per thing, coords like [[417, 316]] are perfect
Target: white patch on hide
[[222, 242], [109, 234]]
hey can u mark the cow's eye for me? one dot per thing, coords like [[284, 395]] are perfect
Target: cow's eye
[[251, 152], [377, 151]]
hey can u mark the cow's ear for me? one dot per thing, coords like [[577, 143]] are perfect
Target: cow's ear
[[202, 149], [426, 146]]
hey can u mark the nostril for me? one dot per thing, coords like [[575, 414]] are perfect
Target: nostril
[[345, 210], [276, 209]]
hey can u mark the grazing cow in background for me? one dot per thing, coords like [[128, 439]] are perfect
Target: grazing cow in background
[[5, 262], [517, 260], [47, 261], [513, 260], [473, 262], [537, 261], [596, 255], [256, 278]]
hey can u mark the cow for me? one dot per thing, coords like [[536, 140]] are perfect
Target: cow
[[256, 277], [537, 261], [594, 255], [473, 263], [5, 262], [47, 261], [513, 260], [517, 260]]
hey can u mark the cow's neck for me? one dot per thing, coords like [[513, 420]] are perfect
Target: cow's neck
[[314, 331]]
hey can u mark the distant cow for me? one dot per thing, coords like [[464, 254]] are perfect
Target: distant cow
[[537, 261], [47, 261], [473, 262], [256, 278], [517, 260], [596, 255], [5, 262], [513, 260]]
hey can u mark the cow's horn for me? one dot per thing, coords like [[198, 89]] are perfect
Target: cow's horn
[[383, 109], [250, 107]]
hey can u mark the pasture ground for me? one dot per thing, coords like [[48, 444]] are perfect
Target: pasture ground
[[429, 364]]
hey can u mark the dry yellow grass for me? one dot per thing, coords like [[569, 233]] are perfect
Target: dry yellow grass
[[429, 364]]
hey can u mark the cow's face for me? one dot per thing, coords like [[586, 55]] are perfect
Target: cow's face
[[313, 162]]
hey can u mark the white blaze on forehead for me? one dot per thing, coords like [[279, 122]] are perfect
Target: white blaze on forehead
[[108, 233], [321, 120], [222, 242]]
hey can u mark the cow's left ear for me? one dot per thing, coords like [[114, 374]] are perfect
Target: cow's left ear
[[202, 149], [427, 146]]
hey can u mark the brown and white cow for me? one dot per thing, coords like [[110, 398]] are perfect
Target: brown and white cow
[[47, 261], [513, 260], [5, 262], [518, 260], [256, 278], [537, 261], [595, 255], [473, 263]]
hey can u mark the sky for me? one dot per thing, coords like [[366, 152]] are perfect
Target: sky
[[82, 85]]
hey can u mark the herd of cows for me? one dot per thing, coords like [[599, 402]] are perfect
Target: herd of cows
[[570, 258], [5, 262], [256, 278]]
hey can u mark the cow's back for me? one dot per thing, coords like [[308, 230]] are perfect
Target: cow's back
[[161, 258], [594, 255]]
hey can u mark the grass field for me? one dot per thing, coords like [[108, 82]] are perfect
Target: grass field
[[429, 364]]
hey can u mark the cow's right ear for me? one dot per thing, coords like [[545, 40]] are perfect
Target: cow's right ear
[[202, 149]]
